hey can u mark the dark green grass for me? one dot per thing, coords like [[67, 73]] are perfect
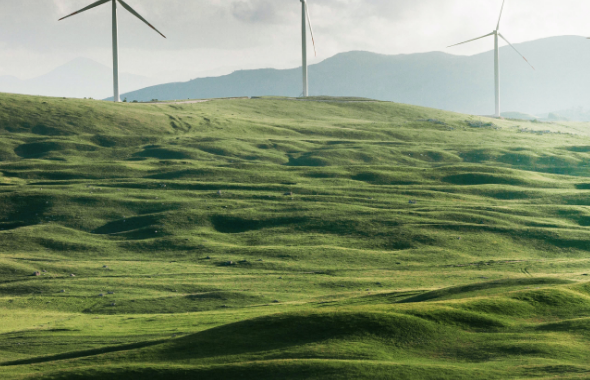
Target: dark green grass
[[334, 238]]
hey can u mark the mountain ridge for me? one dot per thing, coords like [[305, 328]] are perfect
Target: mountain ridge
[[432, 79]]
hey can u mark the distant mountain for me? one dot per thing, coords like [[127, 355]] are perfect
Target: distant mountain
[[521, 116], [8, 80], [572, 114], [79, 78], [576, 113], [439, 80]]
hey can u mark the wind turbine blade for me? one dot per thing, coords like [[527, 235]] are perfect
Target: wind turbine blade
[[500, 18], [475, 39], [132, 11], [527, 61], [311, 30], [93, 5]]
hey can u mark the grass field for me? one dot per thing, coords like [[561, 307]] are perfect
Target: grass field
[[277, 238]]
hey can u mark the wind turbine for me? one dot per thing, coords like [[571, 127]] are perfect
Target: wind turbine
[[305, 19], [496, 33], [115, 35]]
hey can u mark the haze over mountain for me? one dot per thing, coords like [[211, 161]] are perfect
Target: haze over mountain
[[83, 78], [79, 78], [437, 79]]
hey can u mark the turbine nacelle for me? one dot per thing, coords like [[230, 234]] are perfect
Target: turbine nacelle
[[123, 4], [115, 35], [496, 33]]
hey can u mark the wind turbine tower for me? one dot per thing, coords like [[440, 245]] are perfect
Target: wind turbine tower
[[115, 36], [305, 20], [496, 33]]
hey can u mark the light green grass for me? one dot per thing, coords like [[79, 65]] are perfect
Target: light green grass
[[367, 239]]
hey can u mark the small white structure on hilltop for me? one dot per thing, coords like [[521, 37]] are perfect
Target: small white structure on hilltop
[[496, 33], [305, 20], [115, 36]]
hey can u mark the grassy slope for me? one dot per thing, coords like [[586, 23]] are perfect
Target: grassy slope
[[480, 276]]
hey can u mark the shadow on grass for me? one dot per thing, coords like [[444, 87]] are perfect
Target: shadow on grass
[[448, 292], [82, 354]]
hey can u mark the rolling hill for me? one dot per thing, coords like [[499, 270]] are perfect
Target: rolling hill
[[439, 80], [322, 238]]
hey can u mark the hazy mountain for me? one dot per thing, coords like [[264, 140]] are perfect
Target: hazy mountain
[[576, 113], [76, 79], [8, 80], [440, 80]]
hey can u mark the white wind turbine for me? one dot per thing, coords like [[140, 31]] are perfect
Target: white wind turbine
[[496, 33], [305, 19], [115, 35]]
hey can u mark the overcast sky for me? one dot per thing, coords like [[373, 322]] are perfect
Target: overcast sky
[[222, 35]]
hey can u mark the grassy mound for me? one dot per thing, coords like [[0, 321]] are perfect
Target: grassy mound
[[331, 238]]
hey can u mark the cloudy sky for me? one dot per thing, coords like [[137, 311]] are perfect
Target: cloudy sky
[[214, 36]]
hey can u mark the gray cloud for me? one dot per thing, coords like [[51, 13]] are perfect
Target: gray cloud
[[258, 11], [206, 34]]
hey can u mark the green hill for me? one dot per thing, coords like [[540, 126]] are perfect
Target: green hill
[[280, 238]]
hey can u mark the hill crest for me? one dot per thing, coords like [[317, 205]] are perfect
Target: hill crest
[[433, 79]]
